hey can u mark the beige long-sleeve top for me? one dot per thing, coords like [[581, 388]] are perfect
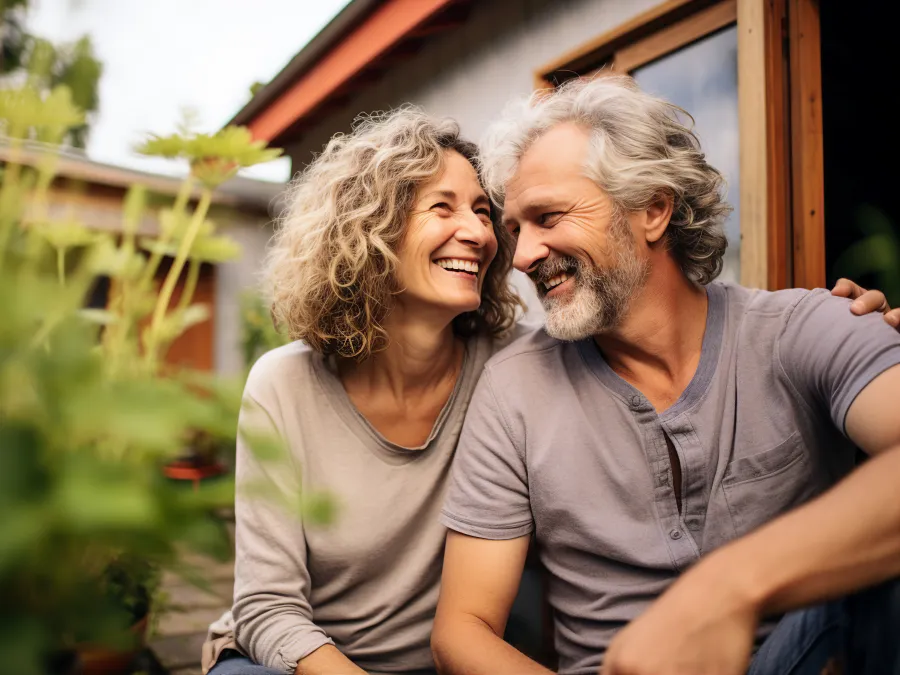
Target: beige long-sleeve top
[[368, 582]]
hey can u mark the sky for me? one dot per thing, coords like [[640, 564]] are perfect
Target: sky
[[161, 57]]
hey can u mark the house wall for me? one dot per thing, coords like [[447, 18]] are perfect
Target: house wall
[[472, 71], [233, 280], [215, 345]]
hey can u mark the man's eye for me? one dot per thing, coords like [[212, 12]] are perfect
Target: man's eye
[[547, 218], [514, 231]]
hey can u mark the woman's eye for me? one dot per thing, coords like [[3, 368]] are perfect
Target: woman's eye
[[547, 218], [441, 206], [483, 211]]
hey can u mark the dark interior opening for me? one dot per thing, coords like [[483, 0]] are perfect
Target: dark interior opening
[[861, 144]]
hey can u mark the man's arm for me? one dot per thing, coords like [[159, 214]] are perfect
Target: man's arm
[[479, 583], [488, 512], [850, 537], [841, 542]]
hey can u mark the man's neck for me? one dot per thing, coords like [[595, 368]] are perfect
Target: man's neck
[[421, 355], [657, 347]]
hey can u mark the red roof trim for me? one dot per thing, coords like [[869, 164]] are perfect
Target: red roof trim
[[384, 28]]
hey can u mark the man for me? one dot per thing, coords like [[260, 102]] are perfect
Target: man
[[683, 452]]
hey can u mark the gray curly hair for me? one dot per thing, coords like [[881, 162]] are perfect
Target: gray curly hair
[[640, 150]]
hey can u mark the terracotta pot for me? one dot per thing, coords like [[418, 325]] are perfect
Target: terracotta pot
[[94, 660]]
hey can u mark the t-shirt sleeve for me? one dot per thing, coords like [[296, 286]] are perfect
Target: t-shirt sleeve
[[488, 492], [830, 355]]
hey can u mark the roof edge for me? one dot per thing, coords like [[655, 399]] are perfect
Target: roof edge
[[353, 13]]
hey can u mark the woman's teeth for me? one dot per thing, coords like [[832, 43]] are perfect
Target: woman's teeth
[[457, 265], [555, 281]]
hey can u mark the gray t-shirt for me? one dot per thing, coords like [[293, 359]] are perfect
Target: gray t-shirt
[[368, 582], [557, 444]]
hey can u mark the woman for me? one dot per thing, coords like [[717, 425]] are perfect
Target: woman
[[389, 268]]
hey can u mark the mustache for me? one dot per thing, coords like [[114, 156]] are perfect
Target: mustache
[[550, 268]]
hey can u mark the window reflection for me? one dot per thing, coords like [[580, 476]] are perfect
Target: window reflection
[[702, 79]]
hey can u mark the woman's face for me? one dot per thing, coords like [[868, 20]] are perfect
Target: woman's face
[[449, 241]]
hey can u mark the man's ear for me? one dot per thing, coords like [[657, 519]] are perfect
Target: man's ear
[[657, 218]]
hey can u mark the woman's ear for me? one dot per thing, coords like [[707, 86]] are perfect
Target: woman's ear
[[657, 217]]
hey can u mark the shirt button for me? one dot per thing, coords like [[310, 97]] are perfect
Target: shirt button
[[675, 534], [636, 401]]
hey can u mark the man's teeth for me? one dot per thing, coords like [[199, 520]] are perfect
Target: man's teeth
[[457, 265], [555, 281]]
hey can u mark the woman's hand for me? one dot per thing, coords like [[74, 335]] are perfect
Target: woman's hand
[[865, 301]]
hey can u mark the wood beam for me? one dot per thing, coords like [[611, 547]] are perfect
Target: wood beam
[[752, 142], [807, 156]]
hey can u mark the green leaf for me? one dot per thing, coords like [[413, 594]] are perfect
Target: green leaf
[[215, 249], [117, 262], [67, 234], [100, 317]]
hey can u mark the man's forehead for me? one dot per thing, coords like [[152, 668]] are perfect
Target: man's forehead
[[558, 153]]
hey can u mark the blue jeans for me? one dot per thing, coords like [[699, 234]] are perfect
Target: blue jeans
[[856, 635], [232, 663]]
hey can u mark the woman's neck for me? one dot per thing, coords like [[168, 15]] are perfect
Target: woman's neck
[[422, 355]]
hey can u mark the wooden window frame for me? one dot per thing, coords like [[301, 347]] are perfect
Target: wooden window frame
[[781, 156], [662, 29]]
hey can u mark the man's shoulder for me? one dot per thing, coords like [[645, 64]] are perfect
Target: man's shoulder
[[775, 307], [518, 359]]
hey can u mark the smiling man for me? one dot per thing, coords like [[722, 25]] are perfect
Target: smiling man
[[683, 452]]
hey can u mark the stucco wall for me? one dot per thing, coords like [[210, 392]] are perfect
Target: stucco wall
[[232, 280], [471, 72]]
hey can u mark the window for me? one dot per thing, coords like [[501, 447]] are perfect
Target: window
[[685, 52]]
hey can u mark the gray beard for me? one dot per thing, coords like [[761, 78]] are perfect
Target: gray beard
[[601, 297]]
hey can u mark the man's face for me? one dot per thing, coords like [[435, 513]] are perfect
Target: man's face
[[576, 248]]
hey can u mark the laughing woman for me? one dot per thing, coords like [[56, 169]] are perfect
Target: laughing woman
[[389, 268]]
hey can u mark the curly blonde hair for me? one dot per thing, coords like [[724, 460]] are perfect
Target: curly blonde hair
[[331, 270], [640, 150]]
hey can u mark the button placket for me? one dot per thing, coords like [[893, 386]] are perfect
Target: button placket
[[681, 431]]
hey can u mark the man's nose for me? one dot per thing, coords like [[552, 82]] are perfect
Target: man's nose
[[530, 250]]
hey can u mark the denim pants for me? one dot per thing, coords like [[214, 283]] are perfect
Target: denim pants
[[856, 635], [233, 663]]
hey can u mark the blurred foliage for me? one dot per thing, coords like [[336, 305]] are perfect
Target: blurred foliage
[[877, 253], [258, 331], [89, 409], [214, 158], [46, 66]]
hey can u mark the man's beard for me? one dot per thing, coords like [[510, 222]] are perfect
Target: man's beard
[[601, 296]]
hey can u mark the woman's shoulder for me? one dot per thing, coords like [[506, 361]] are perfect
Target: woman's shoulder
[[285, 368]]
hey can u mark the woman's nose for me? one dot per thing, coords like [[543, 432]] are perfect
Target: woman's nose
[[474, 231]]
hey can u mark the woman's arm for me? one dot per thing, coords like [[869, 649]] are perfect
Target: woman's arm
[[272, 613]]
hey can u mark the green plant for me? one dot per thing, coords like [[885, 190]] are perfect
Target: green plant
[[259, 334], [89, 410], [47, 65], [876, 254]]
